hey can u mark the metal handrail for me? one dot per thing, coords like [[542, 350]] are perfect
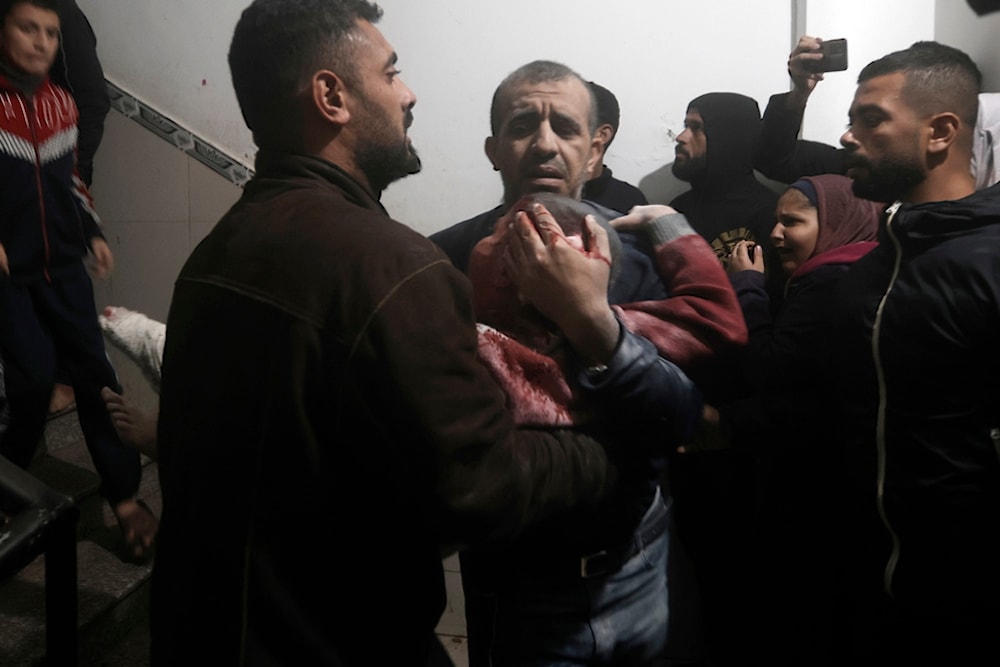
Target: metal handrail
[[42, 521]]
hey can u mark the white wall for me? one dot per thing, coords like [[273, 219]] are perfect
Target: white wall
[[979, 36], [656, 55], [899, 24]]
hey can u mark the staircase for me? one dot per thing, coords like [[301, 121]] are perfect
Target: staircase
[[113, 595], [113, 605]]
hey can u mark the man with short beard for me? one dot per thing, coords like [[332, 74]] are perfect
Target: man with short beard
[[714, 154], [713, 482], [916, 370], [322, 405]]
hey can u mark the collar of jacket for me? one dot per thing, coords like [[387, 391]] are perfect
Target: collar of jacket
[[22, 83], [940, 220], [271, 166], [845, 254]]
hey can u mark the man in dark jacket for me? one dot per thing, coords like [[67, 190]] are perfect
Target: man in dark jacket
[[603, 188], [574, 578], [782, 156], [726, 203], [712, 481], [917, 370], [322, 404], [78, 69]]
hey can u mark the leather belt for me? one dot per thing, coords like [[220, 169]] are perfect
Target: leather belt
[[606, 561]]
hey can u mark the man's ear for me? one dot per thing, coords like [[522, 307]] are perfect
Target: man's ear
[[490, 147], [943, 130], [329, 97], [605, 133], [596, 153]]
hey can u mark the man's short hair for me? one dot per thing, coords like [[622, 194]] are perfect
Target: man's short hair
[[276, 48], [939, 78], [538, 71], [608, 111], [7, 5]]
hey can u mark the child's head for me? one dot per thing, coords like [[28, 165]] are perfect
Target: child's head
[[29, 35], [819, 213], [495, 299]]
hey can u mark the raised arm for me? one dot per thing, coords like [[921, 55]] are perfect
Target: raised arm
[[781, 155]]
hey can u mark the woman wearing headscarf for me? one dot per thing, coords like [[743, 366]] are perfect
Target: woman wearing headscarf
[[821, 229]]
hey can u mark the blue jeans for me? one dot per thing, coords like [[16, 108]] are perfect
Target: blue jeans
[[615, 619]]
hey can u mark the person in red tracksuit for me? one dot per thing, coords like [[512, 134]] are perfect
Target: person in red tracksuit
[[48, 227]]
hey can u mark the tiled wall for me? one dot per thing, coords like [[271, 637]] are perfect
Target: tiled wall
[[156, 202]]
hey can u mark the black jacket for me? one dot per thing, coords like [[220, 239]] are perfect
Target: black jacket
[[782, 156], [726, 202], [917, 374], [78, 69], [613, 193]]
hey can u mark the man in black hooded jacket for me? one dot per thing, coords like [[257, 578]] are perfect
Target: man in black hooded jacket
[[712, 482], [714, 153]]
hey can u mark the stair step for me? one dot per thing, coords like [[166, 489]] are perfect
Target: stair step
[[113, 599], [113, 595]]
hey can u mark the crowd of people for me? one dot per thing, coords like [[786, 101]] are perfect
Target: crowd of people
[[752, 426]]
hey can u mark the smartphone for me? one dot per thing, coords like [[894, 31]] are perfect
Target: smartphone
[[834, 57]]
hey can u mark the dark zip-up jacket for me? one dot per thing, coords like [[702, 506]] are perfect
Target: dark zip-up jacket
[[47, 218], [78, 69], [919, 382]]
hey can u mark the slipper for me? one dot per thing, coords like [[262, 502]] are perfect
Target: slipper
[[136, 549]]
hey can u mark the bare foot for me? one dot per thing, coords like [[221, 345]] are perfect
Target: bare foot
[[62, 399], [138, 525], [135, 427]]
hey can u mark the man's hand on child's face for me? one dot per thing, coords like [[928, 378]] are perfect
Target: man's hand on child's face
[[102, 262], [562, 282]]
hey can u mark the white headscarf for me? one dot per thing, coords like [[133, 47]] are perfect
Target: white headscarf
[[986, 143]]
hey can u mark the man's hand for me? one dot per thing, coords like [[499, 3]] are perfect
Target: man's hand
[[103, 262], [804, 80], [740, 258], [567, 286], [641, 215], [4, 265]]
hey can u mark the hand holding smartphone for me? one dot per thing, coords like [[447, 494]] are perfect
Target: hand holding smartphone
[[834, 52]]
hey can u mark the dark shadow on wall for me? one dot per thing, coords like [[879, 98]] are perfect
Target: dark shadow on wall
[[661, 186], [981, 7]]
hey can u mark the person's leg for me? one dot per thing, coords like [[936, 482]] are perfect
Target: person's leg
[[29, 358], [80, 346], [62, 399], [135, 427], [521, 619], [559, 618], [630, 608]]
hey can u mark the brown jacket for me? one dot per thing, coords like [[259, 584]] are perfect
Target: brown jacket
[[323, 410]]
